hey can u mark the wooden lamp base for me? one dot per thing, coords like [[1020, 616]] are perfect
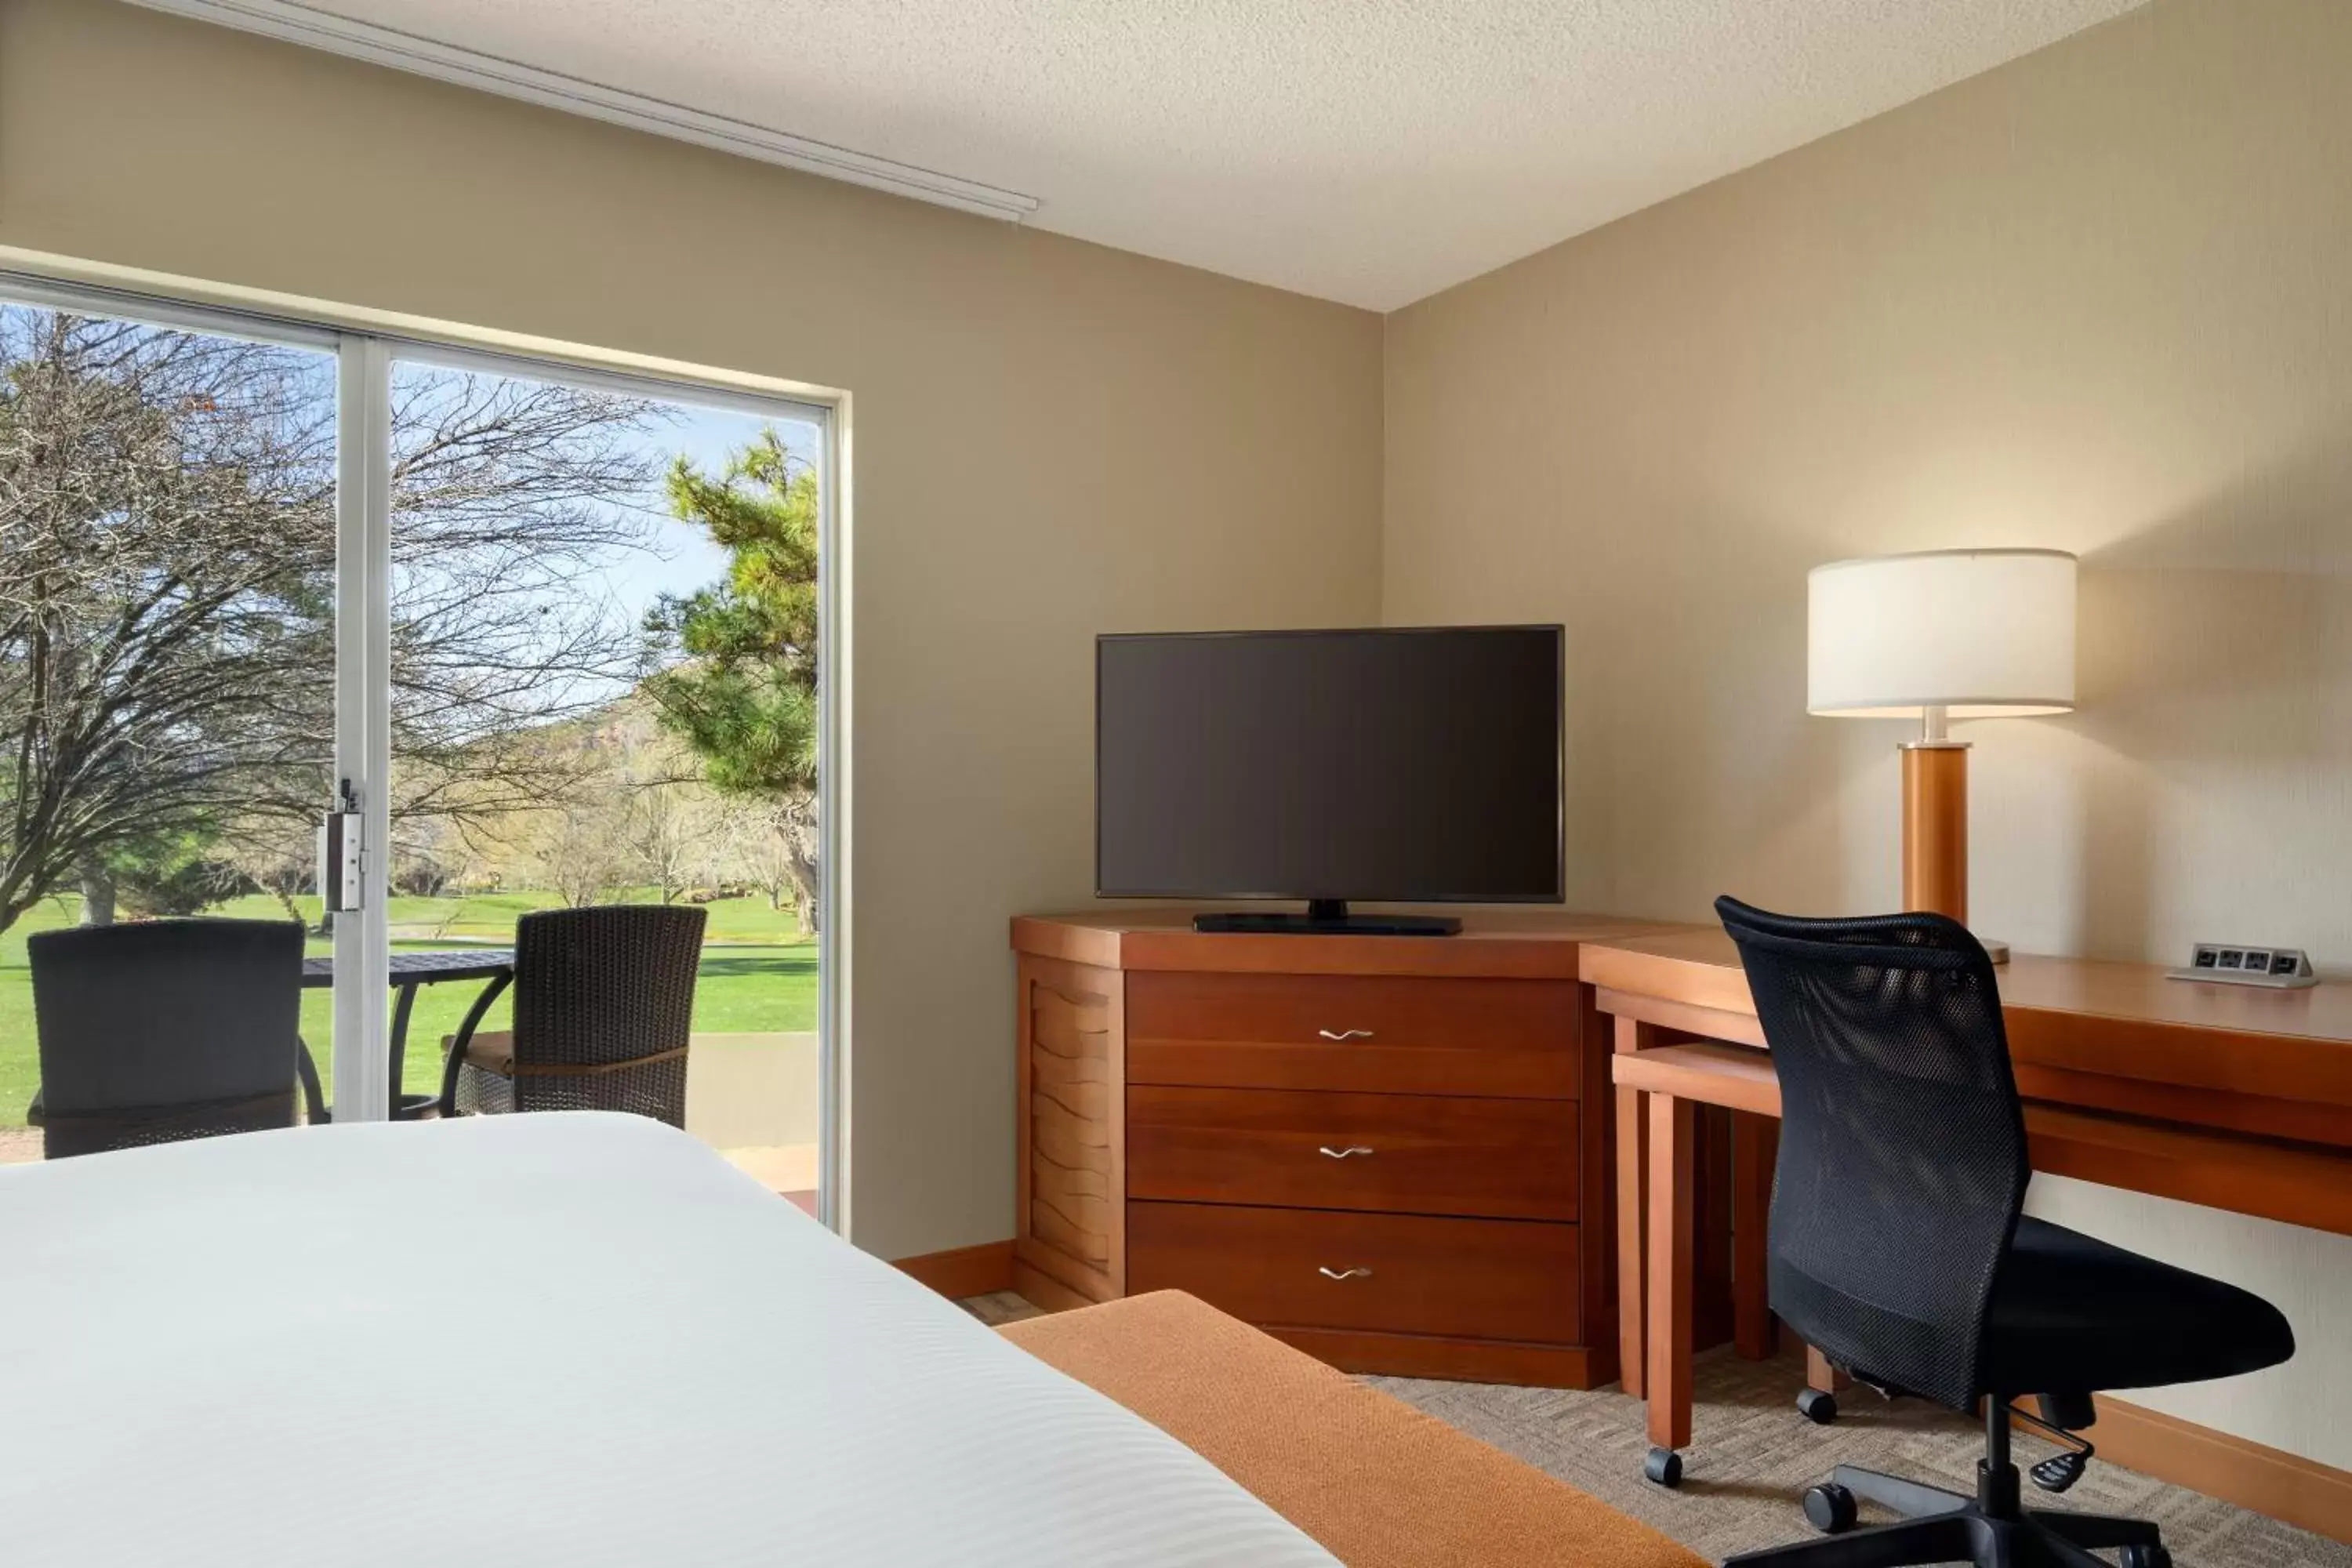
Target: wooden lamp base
[[1936, 828], [1935, 831]]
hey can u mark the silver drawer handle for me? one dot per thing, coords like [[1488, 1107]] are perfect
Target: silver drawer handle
[[1344, 1273], [1328, 1152], [1345, 1033]]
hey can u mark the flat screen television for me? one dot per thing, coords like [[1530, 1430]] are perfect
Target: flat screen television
[[1418, 765]]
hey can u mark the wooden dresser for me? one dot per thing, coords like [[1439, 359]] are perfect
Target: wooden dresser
[[1391, 1151]]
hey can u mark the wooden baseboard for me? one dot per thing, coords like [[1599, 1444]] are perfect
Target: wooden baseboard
[[1041, 1291], [2268, 1480], [964, 1271], [2301, 1491]]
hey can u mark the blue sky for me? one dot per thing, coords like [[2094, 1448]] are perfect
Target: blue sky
[[674, 557], [659, 556], [683, 558]]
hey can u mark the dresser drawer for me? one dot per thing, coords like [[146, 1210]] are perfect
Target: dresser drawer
[[1501, 1159], [1409, 1274], [1379, 1034]]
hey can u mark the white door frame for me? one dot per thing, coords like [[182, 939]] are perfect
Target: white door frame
[[364, 720]]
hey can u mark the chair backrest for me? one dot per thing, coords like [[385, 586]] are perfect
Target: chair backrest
[[1902, 1164], [161, 1030], [600, 986]]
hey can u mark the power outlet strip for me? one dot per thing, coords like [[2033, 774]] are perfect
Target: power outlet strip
[[2277, 968]]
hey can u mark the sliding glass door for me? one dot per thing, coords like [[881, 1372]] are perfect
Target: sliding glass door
[[529, 637], [604, 695], [169, 637]]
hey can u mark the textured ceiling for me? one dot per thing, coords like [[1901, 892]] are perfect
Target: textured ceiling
[[1370, 152]]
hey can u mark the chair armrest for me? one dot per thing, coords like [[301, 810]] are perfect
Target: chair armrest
[[462, 1041], [490, 1052]]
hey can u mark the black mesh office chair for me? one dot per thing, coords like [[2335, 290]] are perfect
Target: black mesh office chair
[[1899, 1251], [604, 1004], [162, 1030]]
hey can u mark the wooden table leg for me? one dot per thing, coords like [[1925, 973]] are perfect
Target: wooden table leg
[[1672, 1203], [1633, 1261], [1713, 1317], [1755, 1146]]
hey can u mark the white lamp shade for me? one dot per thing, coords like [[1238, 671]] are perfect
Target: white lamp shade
[[1984, 634]]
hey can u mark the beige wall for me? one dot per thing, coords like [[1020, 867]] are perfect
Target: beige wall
[[2097, 299], [1052, 439]]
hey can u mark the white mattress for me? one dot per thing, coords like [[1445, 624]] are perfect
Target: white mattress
[[572, 1340]]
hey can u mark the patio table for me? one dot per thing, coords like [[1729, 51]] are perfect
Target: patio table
[[411, 970]]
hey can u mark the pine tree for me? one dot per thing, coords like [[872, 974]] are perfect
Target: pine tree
[[743, 692]]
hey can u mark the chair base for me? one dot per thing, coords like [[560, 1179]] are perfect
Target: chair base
[[1991, 1529]]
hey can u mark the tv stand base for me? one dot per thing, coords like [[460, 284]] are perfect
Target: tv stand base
[[1327, 916]]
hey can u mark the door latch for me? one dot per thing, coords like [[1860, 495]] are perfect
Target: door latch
[[342, 846]]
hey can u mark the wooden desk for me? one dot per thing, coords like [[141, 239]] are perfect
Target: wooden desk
[[2232, 1096]]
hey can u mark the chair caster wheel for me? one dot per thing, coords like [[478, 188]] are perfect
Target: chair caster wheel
[[1818, 1406], [1664, 1467], [1831, 1508], [2145, 1557]]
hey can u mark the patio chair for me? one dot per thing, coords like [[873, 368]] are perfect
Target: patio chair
[[162, 1030], [603, 999]]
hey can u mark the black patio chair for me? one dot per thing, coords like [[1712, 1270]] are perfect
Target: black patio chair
[[603, 999], [164, 1030]]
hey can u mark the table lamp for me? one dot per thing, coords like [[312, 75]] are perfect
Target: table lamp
[[1938, 636]]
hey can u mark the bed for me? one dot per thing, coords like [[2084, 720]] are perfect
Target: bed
[[567, 1339]]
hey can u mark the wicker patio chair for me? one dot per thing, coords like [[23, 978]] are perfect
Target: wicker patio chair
[[603, 1002], [164, 1030]]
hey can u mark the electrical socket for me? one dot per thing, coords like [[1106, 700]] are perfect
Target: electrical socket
[[2246, 963]]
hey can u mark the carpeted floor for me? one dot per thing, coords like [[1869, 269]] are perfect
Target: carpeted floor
[[1752, 1454], [1004, 1307]]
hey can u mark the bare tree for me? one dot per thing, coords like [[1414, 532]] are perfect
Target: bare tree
[[775, 842], [511, 501], [579, 853], [148, 636], [167, 588], [277, 862], [427, 854], [668, 833]]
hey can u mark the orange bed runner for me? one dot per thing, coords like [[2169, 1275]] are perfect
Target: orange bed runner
[[1377, 1482]]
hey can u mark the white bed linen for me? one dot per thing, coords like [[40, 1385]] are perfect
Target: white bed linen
[[579, 1339]]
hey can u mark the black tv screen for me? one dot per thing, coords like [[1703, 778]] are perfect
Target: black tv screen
[[1402, 765]]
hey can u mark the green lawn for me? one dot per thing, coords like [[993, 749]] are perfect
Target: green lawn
[[758, 973]]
